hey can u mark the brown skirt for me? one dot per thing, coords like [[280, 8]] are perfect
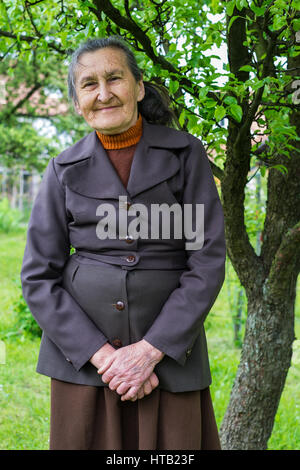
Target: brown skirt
[[84, 417]]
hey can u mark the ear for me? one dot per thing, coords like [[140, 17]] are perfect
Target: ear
[[141, 92]]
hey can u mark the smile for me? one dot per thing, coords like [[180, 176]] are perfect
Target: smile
[[110, 108]]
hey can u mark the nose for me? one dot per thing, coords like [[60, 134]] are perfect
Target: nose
[[104, 93]]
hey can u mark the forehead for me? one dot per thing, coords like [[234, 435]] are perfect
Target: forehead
[[103, 61]]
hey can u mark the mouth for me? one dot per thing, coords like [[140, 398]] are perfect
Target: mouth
[[108, 108]]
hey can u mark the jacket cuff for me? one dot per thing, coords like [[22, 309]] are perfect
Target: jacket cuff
[[94, 346], [179, 358]]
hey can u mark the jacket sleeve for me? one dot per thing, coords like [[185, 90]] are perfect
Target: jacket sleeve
[[176, 328], [46, 252]]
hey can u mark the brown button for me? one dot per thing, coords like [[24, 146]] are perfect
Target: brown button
[[129, 239], [117, 342], [120, 305], [130, 259]]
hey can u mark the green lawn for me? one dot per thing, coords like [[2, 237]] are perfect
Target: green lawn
[[24, 394]]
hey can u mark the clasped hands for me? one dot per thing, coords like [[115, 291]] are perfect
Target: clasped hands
[[128, 370]]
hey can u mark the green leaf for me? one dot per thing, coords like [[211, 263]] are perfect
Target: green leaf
[[257, 85], [246, 68], [296, 27], [230, 7], [220, 112], [240, 4], [259, 11], [182, 118], [283, 169], [232, 19], [63, 37], [209, 103], [279, 21], [262, 170], [230, 100], [173, 86], [216, 6], [236, 112]]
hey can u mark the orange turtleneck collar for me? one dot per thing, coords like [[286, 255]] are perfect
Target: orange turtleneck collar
[[123, 140]]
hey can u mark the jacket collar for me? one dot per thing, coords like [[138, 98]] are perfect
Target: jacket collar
[[92, 174]]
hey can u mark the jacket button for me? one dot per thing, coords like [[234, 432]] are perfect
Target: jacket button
[[120, 305], [130, 259], [117, 342], [188, 352], [67, 359], [129, 239]]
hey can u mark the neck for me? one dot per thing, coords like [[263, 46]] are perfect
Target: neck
[[123, 140]]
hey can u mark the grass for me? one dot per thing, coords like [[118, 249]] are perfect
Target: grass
[[24, 394]]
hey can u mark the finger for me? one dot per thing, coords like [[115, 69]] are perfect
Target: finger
[[106, 364], [114, 383], [123, 388], [132, 392], [129, 399], [109, 375], [133, 399], [154, 380], [140, 393], [147, 387]]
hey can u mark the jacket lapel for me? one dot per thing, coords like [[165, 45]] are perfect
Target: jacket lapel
[[92, 173]]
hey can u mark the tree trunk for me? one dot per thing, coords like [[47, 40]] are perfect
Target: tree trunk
[[262, 371]]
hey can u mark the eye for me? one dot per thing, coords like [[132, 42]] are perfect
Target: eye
[[114, 78], [89, 84]]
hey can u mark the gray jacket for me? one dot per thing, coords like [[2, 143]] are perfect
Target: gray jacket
[[165, 289]]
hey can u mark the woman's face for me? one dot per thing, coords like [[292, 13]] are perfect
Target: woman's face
[[107, 92]]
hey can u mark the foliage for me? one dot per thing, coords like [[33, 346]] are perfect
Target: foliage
[[25, 322], [10, 219], [22, 146]]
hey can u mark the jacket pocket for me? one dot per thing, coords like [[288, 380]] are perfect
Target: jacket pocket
[[69, 273], [74, 272]]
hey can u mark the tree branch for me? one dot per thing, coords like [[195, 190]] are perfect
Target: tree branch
[[30, 39], [244, 130], [39, 116], [22, 37], [217, 171], [246, 263], [27, 8], [270, 105], [286, 259], [23, 100]]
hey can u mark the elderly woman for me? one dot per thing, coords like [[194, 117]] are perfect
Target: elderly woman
[[122, 316]]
